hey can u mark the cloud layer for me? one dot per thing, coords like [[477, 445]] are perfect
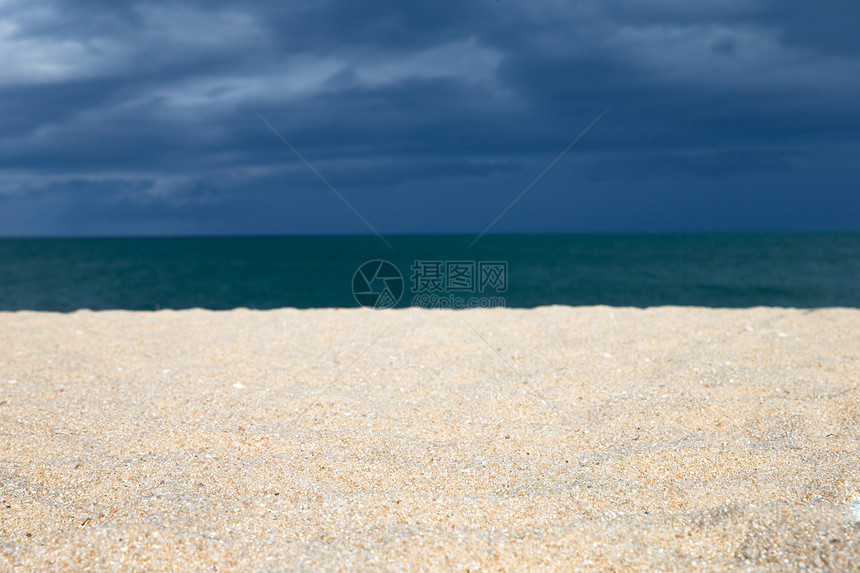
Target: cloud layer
[[139, 117]]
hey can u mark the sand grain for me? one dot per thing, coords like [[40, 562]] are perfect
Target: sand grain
[[548, 439]]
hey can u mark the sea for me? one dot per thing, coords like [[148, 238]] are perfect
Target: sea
[[803, 270]]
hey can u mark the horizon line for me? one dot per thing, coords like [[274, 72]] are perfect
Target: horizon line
[[499, 234]]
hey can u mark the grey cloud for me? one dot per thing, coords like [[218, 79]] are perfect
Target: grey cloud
[[112, 105]]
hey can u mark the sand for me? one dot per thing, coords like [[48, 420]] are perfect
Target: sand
[[490, 440]]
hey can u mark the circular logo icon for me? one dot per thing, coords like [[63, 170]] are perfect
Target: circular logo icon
[[377, 284]]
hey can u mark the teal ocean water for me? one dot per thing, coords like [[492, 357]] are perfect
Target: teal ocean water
[[721, 270]]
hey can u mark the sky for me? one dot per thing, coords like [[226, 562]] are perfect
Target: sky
[[188, 118]]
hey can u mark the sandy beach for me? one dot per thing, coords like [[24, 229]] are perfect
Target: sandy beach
[[553, 439]]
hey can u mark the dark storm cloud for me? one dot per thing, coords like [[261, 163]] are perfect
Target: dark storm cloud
[[139, 117]]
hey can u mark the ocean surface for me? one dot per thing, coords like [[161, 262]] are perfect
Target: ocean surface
[[717, 270]]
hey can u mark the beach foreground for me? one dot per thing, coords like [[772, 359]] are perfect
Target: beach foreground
[[490, 440]]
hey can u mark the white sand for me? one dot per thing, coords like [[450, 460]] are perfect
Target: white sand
[[587, 438]]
